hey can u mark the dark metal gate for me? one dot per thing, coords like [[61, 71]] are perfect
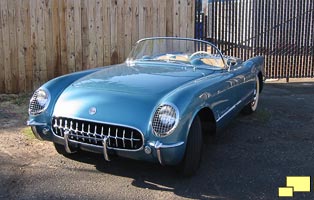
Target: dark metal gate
[[280, 30]]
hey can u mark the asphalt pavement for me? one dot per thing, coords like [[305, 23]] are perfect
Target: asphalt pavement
[[250, 159]]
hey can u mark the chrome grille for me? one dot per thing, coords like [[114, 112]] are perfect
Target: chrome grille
[[34, 106], [93, 133]]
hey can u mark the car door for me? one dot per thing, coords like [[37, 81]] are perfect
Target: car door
[[226, 96]]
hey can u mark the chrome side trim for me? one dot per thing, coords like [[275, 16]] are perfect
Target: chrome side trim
[[229, 110], [34, 123], [158, 146]]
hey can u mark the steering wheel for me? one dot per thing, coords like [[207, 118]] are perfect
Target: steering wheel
[[199, 54]]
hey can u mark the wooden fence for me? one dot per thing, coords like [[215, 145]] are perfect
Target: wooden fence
[[280, 30], [42, 39]]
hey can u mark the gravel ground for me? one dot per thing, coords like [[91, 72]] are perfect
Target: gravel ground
[[250, 159]]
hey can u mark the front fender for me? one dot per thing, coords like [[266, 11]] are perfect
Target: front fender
[[55, 87], [190, 99]]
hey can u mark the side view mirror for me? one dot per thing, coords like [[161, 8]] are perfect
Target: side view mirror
[[231, 62]]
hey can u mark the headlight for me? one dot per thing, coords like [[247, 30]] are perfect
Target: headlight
[[39, 102], [165, 120]]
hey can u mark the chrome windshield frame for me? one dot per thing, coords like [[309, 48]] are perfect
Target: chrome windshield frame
[[180, 38]]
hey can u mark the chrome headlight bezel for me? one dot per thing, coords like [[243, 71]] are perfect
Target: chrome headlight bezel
[[165, 120], [39, 101]]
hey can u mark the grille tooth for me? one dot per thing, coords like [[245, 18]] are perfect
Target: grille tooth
[[116, 137], [123, 138], [102, 131], [109, 136], [89, 133], [93, 133], [83, 133], [131, 139]]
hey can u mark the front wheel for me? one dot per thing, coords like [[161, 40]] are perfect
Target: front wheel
[[193, 151], [252, 106]]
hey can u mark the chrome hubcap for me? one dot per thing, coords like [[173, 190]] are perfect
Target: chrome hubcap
[[256, 95]]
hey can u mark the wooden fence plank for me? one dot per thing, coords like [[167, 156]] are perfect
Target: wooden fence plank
[[85, 34], [42, 66], [120, 30], [127, 27], [34, 43], [169, 17], [42, 39], [63, 37], [78, 53], [191, 19], [155, 18], [163, 18], [2, 66], [12, 20], [92, 46], [183, 10], [135, 22], [56, 44], [106, 31], [6, 46], [114, 33], [20, 18], [99, 33], [149, 20], [70, 35], [176, 18], [141, 25], [48, 18]]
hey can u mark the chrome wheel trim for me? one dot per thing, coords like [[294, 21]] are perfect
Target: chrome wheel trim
[[254, 103]]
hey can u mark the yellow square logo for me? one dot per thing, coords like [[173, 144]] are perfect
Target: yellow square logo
[[295, 184], [299, 183], [285, 192]]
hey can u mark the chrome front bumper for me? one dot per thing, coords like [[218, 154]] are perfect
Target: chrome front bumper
[[158, 147]]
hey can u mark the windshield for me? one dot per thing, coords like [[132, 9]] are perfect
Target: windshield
[[177, 50]]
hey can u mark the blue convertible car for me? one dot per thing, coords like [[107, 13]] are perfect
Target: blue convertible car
[[157, 106]]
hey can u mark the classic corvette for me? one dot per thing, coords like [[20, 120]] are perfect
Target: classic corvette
[[159, 105]]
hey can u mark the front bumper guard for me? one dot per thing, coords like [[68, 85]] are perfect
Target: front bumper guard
[[158, 146]]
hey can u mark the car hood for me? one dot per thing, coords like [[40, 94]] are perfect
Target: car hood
[[122, 94], [142, 79]]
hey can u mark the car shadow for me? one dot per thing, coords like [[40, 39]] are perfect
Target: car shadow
[[153, 176], [225, 171]]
